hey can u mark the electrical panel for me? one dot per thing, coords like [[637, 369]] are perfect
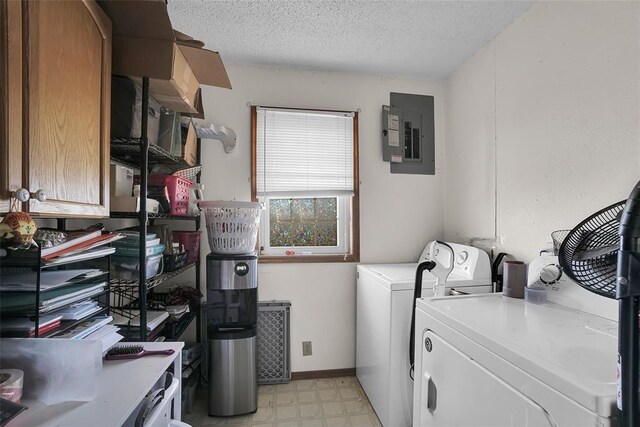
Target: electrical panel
[[408, 134]]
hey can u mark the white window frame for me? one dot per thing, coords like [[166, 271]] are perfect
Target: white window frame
[[343, 230]]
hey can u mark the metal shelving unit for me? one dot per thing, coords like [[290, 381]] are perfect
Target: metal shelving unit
[[127, 151], [175, 330], [125, 298], [153, 216], [151, 283], [139, 154]]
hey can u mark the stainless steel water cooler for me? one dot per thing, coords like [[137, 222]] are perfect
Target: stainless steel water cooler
[[232, 311]]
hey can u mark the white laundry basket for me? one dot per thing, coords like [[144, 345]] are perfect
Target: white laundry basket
[[232, 227]]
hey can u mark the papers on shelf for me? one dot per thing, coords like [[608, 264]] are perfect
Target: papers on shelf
[[154, 319], [177, 310], [26, 281], [79, 310], [94, 242], [50, 300], [108, 335], [103, 240], [24, 326], [74, 238], [83, 329], [85, 254], [62, 300]]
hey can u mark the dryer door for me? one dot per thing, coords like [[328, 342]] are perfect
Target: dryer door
[[457, 391]]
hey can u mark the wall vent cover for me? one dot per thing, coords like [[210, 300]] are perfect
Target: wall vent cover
[[273, 342]]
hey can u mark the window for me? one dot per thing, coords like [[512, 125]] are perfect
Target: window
[[305, 170]]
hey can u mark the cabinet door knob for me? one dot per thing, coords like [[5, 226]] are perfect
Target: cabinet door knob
[[39, 195], [23, 195]]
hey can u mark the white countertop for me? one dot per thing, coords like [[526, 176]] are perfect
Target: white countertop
[[121, 385]]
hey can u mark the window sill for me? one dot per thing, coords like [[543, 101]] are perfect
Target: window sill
[[287, 259]]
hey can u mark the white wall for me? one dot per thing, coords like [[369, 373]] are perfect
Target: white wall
[[551, 107], [399, 213]]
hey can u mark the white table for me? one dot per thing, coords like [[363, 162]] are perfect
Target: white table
[[121, 385]]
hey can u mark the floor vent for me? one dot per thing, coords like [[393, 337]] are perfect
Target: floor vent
[[273, 342]]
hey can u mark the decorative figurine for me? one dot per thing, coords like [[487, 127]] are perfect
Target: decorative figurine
[[18, 227]]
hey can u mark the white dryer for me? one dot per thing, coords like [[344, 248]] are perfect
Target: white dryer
[[384, 303], [489, 360]]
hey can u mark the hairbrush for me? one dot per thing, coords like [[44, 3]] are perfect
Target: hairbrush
[[133, 352]]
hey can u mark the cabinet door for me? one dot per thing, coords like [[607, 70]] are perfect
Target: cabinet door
[[10, 100], [66, 145]]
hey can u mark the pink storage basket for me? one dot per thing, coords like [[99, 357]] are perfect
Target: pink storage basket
[[178, 188], [191, 242]]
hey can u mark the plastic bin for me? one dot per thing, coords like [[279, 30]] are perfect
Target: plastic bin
[[126, 111], [191, 242], [125, 268], [173, 262], [130, 252], [165, 235], [189, 391], [178, 188]]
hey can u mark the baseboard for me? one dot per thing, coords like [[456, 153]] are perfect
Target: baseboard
[[311, 375]]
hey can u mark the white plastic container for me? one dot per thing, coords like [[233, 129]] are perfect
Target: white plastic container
[[232, 227], [125, 268], [535, 294]]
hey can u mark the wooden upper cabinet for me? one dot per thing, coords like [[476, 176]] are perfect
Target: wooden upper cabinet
[[64, 104]]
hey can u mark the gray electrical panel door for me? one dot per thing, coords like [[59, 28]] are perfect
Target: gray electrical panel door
[[392, 134], [415, 149]]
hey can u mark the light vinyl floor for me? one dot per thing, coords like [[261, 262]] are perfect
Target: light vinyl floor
[[326, 402]]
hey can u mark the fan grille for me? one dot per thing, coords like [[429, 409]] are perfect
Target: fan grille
[[589, 253]]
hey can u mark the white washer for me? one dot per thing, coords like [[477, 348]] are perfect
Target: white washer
[[489, 360], [384, 303]]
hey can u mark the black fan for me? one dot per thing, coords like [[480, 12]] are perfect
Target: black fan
[[589, 253], [602, 254]]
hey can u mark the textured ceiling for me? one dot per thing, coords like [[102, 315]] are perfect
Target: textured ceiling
[[422, 39]]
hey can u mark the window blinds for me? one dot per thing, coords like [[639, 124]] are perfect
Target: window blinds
[[305, 153]]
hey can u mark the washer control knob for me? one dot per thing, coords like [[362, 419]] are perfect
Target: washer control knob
[[550, 274], [462, 257]]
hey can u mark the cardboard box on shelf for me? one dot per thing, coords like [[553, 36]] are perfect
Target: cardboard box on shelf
[[174, 87], [132, 204], [199, 106], [171, 81], [148, 48], [190, 145]]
